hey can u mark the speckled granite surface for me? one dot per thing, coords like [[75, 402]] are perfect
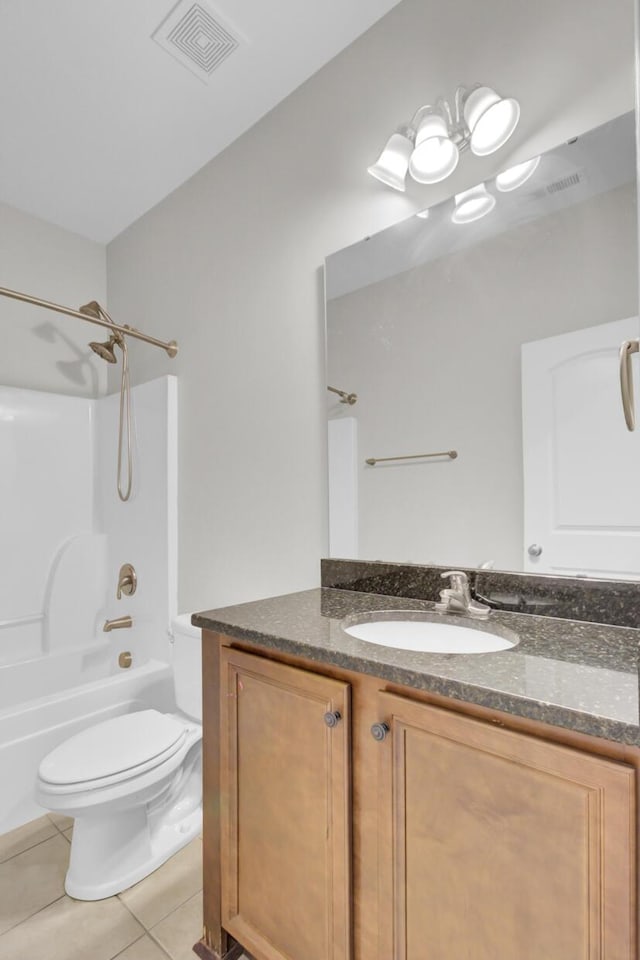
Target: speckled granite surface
[[573, 674], [573, 598]]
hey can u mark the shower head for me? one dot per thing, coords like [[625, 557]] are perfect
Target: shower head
[[106, 350]]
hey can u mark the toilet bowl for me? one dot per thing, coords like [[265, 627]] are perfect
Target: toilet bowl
[[132, 783]]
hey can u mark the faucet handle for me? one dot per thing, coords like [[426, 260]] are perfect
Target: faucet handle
[[457, 577], [459, 581], [127, 581]]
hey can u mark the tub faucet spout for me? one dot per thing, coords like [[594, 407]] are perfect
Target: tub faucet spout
[[120, 623]]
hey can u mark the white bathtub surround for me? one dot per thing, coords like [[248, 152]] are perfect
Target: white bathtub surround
[[63, 540], [144, 530], [133, 785], [46, 488], [75, 595]]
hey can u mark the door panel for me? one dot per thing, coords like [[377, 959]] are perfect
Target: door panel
[[581, 464], [499, 845], [285, 810]]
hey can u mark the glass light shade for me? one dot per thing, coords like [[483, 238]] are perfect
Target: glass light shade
[[514, 177], [435, 155], [491, 120], [391, 166], [472, 204]]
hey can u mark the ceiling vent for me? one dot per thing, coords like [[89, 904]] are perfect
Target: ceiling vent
[[579, 177], [571, 181], [195, 35]]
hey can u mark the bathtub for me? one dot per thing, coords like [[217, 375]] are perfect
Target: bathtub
[[47, 699]]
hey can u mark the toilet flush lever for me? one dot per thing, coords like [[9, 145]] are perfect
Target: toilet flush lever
[[127, 581]]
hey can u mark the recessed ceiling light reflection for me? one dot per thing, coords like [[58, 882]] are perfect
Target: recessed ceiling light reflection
[[472, 204], [423, 214], [514, 177]]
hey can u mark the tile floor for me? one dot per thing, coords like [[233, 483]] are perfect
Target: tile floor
[[159, 918]]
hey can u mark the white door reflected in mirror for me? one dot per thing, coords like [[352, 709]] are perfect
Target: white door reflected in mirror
[[581, 464]]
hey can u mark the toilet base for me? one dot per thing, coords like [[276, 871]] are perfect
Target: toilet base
[[130, 830], [110, 855]]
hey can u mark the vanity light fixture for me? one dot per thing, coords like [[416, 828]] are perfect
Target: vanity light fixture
[[490, 119], [472, 204], [429, 146], [392, 164], [434, 155], [514, 177]]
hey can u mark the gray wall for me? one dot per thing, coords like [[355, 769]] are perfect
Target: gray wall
[[43, 350], [434, 356], [230, 264]]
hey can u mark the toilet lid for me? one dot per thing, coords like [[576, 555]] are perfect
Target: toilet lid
[[112, 747]]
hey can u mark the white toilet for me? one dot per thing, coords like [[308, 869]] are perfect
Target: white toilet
[[132, 783]]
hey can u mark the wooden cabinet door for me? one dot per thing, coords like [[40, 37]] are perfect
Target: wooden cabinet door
[[499, 846], [285, 796]]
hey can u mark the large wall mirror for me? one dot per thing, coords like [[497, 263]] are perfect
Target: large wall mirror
[[485, 359]]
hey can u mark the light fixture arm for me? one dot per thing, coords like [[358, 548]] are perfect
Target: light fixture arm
[[460, 95], [452, 114], [414, 123]]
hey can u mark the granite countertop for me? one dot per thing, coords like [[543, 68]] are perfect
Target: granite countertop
[[569, 673]]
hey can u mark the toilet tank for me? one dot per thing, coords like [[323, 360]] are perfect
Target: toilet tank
[[187, 666]]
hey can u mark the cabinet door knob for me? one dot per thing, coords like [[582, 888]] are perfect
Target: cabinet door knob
[[332, 718], [534, 550], [379, 731]]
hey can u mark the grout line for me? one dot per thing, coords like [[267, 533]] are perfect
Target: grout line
[[117, 897], [165, 915], [32, 847], [155, 940], [115, 957], [59, 829], [153, 936], [31, 916]]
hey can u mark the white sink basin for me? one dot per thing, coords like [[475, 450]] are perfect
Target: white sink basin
[[408, 631]]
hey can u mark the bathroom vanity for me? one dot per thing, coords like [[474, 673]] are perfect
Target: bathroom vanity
[[366, 802]]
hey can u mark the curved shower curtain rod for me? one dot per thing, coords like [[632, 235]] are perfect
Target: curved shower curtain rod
[[171, 347]]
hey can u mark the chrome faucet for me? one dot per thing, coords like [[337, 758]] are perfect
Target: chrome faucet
[[457, 598], [121, 623]]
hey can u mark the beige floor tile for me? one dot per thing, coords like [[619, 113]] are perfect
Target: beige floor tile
[[143, 949], [61, 822], [31, 880], [26, 836], [67, 834], [178, 932], [168, 888], [73, 930]]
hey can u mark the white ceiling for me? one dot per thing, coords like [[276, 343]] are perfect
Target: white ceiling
[[99, 123]]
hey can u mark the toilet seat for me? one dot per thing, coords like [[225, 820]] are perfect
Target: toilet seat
[[110, 752]]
